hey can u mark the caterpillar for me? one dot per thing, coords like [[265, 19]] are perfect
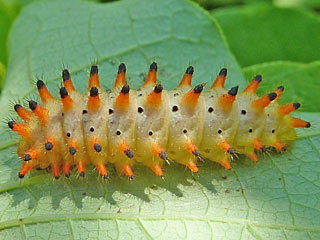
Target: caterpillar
[[150, 126]]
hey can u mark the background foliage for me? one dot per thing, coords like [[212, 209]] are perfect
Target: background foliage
[[276, 198]]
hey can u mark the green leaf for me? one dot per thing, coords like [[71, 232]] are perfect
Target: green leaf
[[275, 198], [262, 33], [301, 81]]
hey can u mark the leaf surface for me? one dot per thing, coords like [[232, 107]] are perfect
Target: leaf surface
[[275, 198]]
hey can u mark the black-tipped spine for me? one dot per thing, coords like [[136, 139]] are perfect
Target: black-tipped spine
[[94, 70], [272, 96], [122, 68], [190, 70], [158, 88], [63, 92], [153, 67], [33, 104], [10, 124], [125, 89], [198, 89], [258, 78], [233, 91], [40, 84], [296, 105], [65, 75], [223, 72]]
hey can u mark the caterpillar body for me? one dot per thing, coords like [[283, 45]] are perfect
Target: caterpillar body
[[151, 125]]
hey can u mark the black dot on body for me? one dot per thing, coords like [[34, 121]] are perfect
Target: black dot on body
[[150, 133], [110, 110], [91, 129], [243, 112], [68, 134], [273, 131], [84, 111], [219, 131], [250, 130], [210, 109], [118, 132], [175, 108], [140, 110], [185, 130]]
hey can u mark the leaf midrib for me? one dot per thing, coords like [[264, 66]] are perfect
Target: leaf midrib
[[135, 217]]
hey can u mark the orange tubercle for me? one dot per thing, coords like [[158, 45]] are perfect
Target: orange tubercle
[[191, 97], [66, 99], [67, 83], [289, 108], [121, 77], [21, 128], [264, 101], [44, 92], [220, 80], [226, 100], [299, 123], [94, 101], [154, 98], [279, 92], [123, 99], [253, 85], [187, 77], [26, 167], [152, 75], [94, 77], [225, 146], [39, 111], [23, 113]]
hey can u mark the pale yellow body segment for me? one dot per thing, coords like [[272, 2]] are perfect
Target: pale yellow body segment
[[152, 129], [220, 128], [121, 131], [186, 128]]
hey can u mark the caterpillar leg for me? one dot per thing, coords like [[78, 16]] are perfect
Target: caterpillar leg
[[56, 170], [102, 170], [128, 171], [81, 168], [226, 163], [157, 170], [192, 166], [257, 144], [66, 169], [280, 146], [253, 157]]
